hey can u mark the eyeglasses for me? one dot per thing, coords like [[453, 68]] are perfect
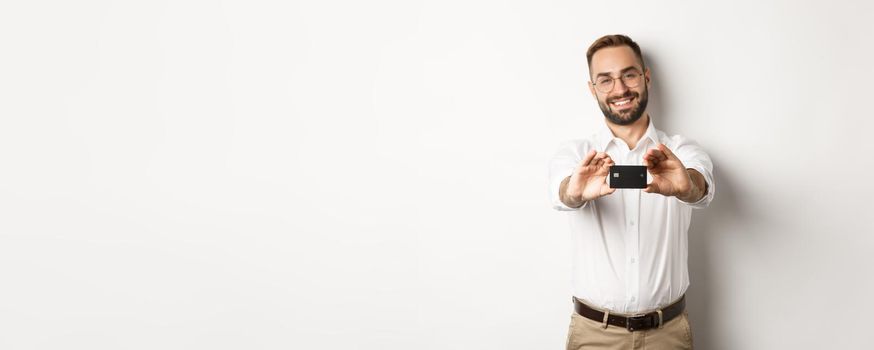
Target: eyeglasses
[[605, 84]]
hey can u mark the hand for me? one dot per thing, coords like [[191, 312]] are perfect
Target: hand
[[669, 176], [589, 180]]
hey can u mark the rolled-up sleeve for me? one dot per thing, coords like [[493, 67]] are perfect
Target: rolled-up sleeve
[[562, 165], [693, 157]]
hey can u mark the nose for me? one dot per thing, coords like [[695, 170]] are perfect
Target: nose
[[619, 86]]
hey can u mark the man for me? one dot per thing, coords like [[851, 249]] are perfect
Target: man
[[630, 246]]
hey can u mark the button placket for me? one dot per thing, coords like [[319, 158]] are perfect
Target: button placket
[[632, 212]]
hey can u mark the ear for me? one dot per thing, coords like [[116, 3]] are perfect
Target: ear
[[592, 90], [648, 77]]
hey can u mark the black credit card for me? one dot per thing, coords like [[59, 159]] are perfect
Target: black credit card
[[627, 176]]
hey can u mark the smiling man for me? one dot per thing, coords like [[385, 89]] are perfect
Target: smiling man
[[630, 246]]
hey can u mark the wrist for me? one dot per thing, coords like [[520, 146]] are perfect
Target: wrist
[[693, 193], [573, 201], [569, 199], [690, 196], [577, 201]]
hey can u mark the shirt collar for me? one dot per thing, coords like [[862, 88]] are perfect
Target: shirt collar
[[606, 135]]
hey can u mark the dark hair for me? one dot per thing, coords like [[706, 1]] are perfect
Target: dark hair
[[611, 41]]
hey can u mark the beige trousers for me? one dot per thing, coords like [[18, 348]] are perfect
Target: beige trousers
[[588, 334]]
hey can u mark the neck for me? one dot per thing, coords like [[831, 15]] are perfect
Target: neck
[[631, 133]]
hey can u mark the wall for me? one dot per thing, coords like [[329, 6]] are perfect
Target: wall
[[371, 175]]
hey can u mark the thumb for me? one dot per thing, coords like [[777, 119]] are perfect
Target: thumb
[[653, 187], [606, 189]]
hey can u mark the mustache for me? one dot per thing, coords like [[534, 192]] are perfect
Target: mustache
[[627, 94]]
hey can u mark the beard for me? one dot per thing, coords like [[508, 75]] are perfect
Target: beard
[[630, 116]]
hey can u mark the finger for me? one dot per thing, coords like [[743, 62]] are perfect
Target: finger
[[588, 158], [605, 188], [667, 151], [651, 188], [601, 155], [597, 157], [657, 153], [598, 163], [605, 168], [650, 161]]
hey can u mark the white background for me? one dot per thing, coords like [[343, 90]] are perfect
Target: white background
[[372, 174]]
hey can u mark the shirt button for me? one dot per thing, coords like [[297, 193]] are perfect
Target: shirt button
[[633, 299], [633, 260], [631, 222]]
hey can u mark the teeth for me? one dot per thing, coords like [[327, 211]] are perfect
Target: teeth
[[620, 103]]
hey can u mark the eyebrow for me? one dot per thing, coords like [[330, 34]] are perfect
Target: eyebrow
[[620, 72]]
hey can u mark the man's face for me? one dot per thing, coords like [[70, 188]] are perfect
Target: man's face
[[622, 105]]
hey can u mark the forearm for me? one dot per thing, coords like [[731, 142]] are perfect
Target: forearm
[[698, 188], [562, 193]]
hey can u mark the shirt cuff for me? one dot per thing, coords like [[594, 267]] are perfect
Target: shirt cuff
[[557, 204], [708, 196]]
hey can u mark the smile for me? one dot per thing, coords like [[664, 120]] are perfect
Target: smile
[[622, 102]]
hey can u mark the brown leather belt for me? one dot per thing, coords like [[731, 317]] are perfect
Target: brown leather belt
[[637, 322]]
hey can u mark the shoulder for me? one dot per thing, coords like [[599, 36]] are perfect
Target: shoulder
[[676, 141]]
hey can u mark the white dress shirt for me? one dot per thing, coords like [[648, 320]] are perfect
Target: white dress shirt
[[630, 248]]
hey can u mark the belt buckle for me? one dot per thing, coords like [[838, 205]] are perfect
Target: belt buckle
[[635, 318]]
